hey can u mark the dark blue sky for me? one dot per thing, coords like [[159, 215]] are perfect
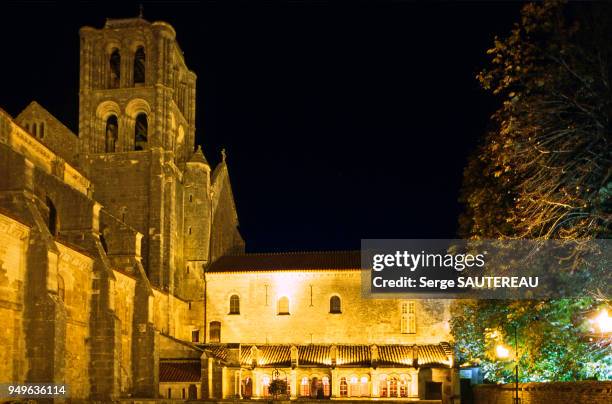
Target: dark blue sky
[[341, 121]]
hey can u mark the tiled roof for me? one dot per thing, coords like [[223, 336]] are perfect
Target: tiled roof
[[179, 371], [314, 355], [432, 355], [394, 354], [353, 355], [349, 355], [288, 261]]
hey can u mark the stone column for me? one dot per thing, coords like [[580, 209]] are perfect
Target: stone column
[[293, 384], [374, 383], [334, 383], [256, 384], [211, 392], [414, 383]]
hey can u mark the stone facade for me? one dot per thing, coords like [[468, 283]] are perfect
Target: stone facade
[[122, 271], [104, 236]]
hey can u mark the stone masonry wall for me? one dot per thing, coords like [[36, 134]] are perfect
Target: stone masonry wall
[[309, 319], [583, 392]]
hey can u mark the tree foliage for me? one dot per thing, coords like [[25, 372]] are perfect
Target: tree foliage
[[543, 171]]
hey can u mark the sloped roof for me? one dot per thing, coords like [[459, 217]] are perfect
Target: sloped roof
[[336, 260], [180, 371], [279, 355], [198, 156]]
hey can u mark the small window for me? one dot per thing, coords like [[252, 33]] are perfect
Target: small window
[[115, 69], [139, 66], [215, 331], [335, 305], [234, 304], [190, 230], [190, 198], [53, 222], [141, 129], [195, 335], [169, 392], [283, 305], [111, 134]]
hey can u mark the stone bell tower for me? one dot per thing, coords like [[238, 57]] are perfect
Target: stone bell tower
[[137, 131], [136, 93]]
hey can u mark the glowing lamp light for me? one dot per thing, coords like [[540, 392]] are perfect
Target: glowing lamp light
[[502, 352], [603, 321]]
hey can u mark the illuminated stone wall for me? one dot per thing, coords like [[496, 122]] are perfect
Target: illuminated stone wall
[[13, 247], [362, 321]]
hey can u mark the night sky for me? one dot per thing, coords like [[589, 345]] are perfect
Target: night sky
[[341, 121]]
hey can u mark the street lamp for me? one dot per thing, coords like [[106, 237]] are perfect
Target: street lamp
[[603, 321], [503, 352]]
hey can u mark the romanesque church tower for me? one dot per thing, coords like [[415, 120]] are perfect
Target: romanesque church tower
[[137, 130]]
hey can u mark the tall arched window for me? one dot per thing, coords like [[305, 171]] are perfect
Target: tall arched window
[[141, 129], [283, 305], [111, 134], [115, 69], [52, 222], [215, 331], [234, 305], [335, 305], [305, 387], [61, 288], [139, 66]]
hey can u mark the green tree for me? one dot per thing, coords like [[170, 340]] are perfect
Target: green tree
[[542, 172]]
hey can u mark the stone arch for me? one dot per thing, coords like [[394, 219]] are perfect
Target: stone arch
[[137, 106], [139, 112]]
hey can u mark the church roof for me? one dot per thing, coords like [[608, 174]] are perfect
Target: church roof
[[293, 261], [279, 355], [198, 157]]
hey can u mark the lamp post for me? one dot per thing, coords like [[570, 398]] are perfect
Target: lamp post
[[502, 352]]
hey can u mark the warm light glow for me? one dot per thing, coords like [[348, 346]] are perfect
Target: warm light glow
[[284, 285], [364, 380], [353, 380], [603, 321], [502, 352]]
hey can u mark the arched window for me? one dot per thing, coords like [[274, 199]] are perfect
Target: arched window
[[234, 304], [408, 319], [41, 130], [283, 305], [139, 66], [305, 387], [61, 288], [364, 390], [111, 134], [383, 387], [215, 331], [140, 131], [335, 305], [115, 69], [393, 387], [326, 386], [52, 223]]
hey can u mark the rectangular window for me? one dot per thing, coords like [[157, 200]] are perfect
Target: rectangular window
[[195, 336], [408, 318]]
